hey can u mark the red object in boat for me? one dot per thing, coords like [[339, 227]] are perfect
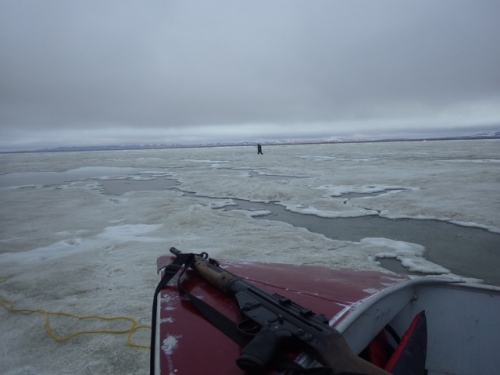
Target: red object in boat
[[188, 344]]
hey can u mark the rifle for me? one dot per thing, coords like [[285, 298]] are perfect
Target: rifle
[[280, 324]]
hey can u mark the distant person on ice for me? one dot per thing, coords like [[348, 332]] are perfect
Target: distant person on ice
[[259, 149]]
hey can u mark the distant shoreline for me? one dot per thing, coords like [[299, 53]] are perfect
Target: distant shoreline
[[495, 136]]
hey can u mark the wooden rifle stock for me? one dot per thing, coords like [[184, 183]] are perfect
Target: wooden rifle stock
[[336, 354]]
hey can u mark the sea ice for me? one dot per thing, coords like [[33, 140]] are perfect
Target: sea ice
[[66, 245]]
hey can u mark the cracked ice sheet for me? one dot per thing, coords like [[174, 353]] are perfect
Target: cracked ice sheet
[[102, 249], [409, 254]]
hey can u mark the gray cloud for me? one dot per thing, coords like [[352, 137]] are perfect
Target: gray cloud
[[174, 66]]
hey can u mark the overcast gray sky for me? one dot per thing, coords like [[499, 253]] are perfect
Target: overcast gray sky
[[118, 72]]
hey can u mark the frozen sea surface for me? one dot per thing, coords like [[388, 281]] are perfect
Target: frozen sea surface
[[80, 231]]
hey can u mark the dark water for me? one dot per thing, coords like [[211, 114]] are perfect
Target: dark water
[[465, 251], [123, 186]]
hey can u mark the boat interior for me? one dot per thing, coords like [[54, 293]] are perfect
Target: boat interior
[[463, 325]]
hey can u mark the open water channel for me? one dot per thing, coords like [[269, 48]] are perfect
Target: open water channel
[[465, 251]]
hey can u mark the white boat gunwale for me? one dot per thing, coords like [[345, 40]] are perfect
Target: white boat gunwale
[[463, 331]]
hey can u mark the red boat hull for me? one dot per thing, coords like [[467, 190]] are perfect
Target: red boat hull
[[188, 344]]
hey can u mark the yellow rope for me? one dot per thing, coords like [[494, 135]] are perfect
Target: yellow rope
[[9, 306]]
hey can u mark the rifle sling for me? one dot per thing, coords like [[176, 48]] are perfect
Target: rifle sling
[[215, 317]]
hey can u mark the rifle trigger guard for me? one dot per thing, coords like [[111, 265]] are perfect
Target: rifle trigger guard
[[248, 328]]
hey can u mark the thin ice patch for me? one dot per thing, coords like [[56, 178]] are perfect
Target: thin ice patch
[[169, 344]]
